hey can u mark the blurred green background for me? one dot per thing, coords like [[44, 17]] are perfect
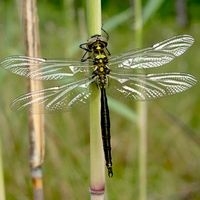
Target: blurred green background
[[173, 122]]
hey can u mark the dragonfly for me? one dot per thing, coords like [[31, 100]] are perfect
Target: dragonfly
[[121, 75]]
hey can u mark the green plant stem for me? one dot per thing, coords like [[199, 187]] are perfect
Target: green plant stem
[[36, 122], [94, 17], [97, 168], [142, 112], [2, 189]]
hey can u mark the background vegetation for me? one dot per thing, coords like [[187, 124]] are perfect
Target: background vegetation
[[173, 127]]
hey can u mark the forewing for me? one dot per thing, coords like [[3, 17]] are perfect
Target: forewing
[[55, 98], [160, 54], [150, 86], [43, 69]]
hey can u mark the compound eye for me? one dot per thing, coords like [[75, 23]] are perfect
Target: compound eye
[[102, 45], [89, 46]]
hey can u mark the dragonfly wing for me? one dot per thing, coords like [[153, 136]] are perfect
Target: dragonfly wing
[[43, 69], [155, 56], [145, 87], [55, 98]]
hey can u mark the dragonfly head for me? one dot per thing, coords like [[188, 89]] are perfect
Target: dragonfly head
[[97, 42]]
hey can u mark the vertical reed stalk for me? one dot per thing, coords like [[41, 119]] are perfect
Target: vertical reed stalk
[[97, 167], [142, 112], [71, 26], [2, 189], [36, 121]]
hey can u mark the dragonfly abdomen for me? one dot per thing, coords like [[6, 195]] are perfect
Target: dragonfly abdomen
[[105, 129]]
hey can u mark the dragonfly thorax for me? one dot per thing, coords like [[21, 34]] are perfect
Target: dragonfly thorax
[[100, 62], [101, 71], [97, 46]]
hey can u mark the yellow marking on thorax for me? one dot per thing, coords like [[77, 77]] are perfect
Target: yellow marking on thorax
[[100, 56], [98, 47], [101, 69]]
